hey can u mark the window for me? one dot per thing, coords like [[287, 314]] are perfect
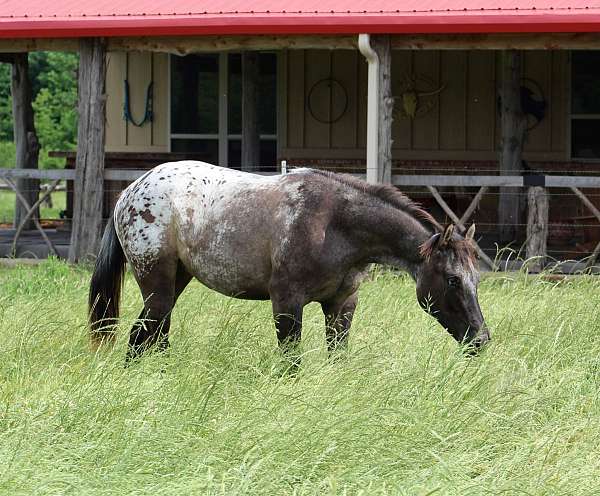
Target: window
[[585, 104], [206, 107]]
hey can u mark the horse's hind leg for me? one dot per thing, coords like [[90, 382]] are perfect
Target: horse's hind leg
[[338, 319], [160, 289]]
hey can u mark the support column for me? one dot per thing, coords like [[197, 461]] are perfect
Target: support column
[[537, 227], [380, 105], [26, 140], [250, 130], [89, 176], [513, 124]]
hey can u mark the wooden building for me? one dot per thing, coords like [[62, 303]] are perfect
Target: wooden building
[[375, 87]]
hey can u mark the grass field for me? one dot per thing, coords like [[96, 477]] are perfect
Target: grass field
[[7, 206], [403, 413]]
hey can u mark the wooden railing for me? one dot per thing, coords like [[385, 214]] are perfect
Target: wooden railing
[[536, 185]]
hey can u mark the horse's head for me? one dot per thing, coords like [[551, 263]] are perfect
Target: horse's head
[[447, 286]]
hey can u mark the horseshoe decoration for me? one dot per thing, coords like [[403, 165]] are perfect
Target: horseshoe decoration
[[329, 90]]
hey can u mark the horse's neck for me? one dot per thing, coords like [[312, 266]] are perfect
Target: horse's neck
[[387, 235]]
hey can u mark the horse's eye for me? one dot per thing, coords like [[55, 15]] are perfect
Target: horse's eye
[[453, 282]]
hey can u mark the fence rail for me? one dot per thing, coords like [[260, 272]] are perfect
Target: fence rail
[[435, 180], [537, 227]]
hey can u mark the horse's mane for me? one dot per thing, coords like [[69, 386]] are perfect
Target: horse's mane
[[463, 248], [387, 194]]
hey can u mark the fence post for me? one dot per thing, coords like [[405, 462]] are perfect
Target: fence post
[[537, 227], [86, 232]]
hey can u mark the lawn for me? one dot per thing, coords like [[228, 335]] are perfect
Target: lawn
[[7, 206], [404, 412]]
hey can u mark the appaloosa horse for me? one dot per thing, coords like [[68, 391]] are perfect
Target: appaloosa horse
[[305, 236]]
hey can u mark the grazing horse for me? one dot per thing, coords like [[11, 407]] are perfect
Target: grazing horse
[[306, 236]]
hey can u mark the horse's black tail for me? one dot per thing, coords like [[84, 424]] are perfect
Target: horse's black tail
[[105, 287]]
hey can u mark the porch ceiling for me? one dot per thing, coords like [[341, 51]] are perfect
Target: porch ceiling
[[82, 18]]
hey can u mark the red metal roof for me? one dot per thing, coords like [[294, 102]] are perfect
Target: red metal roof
[[78, 18]]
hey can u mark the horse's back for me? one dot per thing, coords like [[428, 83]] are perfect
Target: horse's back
[[218, 222]]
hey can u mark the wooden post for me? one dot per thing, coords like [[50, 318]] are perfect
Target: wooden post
[[513, 134], [26, 140], [537, 227], [250, 130], [89, 170], [382, 46]]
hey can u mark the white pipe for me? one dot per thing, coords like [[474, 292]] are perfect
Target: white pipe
[[364, 45]]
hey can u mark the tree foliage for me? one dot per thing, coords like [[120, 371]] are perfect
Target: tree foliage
[[54, 86]]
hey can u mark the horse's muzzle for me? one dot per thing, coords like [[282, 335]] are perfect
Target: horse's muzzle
[[479, 341]]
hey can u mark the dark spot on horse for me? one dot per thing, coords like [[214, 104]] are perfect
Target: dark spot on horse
[[141, 231], [147, 216], [146, 205], [161, 178], [132, 216]]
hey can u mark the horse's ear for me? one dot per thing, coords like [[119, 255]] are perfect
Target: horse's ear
[[470, 232], [447, 236]]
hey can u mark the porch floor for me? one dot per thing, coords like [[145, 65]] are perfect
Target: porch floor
[[32, 245]]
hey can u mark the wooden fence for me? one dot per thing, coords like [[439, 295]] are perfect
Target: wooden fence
[[536, 187]]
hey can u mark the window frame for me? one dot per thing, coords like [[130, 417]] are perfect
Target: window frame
[[576, 116], [223, 136]]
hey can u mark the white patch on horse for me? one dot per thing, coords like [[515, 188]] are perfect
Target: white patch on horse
[[197, 210]]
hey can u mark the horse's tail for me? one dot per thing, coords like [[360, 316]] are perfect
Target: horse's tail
[[105, 287]]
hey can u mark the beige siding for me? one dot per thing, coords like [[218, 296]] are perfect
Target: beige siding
[[318, 67], [402, 63], [344, 68], [116, 133], [462, 125], [295, 99], [139, 68], [452, 114]]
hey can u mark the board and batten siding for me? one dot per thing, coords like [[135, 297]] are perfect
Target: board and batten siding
[[140, 69], [462, 125]]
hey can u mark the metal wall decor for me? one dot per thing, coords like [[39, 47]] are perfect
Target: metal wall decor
[[417, 96], [327, 90], [533, 102]]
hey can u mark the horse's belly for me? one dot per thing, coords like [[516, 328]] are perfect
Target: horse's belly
[[232, 279], [230, 256]]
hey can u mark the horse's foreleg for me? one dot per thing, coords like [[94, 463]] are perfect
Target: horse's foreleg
[[288, 322], [338, 319]]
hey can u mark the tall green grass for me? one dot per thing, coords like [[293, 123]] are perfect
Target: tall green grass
[[404, 412]]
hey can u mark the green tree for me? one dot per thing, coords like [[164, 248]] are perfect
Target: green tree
[[6, 125], [54, 84], [55, 103]]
